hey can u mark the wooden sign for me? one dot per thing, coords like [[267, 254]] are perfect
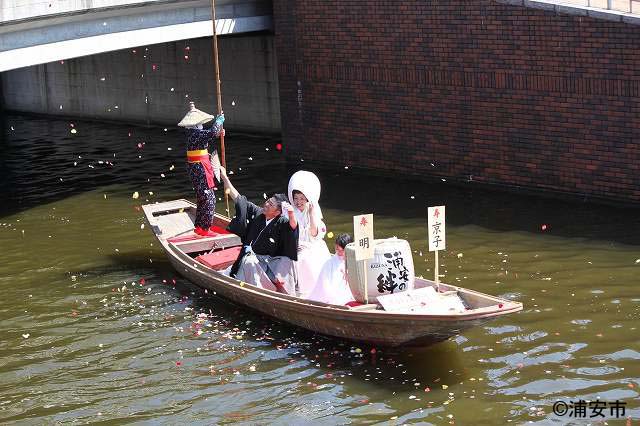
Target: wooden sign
[[437, 237], [363, 236]]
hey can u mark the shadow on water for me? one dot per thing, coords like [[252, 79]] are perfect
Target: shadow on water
[[46, 160], [386, 366], [42, 161], [473, 204]]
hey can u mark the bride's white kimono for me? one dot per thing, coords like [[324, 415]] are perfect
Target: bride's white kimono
[[312, 251]]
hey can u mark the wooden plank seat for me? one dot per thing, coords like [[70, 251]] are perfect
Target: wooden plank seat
[[220, 259]]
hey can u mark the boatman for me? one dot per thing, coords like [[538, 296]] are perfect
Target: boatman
[[269, 237], [199, 164]]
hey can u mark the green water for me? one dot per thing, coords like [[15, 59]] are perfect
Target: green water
[[83, 340]]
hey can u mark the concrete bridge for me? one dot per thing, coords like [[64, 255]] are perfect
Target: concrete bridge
[[34, 32], [138, 61]]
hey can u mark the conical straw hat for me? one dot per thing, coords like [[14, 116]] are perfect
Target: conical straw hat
[[195, 117]]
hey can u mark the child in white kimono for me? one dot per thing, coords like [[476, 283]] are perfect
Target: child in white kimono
[[332, 286]]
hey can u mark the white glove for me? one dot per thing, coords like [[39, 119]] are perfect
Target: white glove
[[286, 207]]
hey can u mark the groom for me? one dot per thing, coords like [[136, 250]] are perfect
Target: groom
[[269, 236]]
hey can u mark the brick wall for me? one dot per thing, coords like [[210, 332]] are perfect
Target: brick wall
[[479, 90]]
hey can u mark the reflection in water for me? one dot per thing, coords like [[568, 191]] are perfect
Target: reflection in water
[[97, 325]]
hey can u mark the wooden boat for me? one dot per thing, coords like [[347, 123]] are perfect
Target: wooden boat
[[199, 259]]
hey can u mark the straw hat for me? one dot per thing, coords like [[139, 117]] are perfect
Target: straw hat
[[195, 117]]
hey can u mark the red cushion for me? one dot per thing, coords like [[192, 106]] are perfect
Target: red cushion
[[220, 259], [353, 304], [191, 237], [219, 230]]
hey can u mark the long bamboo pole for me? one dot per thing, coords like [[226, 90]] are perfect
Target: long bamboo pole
[[216, 63]]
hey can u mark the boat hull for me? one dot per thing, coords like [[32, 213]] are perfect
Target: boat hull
[[374, 327], [364, 324]]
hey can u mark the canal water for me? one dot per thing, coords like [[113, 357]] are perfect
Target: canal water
[[95, 326]]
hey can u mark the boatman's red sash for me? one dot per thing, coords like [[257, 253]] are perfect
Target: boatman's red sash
[[202, 156]]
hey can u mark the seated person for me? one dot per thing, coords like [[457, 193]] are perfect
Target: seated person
[[332, 286], [269, 238]]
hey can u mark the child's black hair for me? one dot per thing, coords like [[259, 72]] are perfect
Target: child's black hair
[[343, 239]]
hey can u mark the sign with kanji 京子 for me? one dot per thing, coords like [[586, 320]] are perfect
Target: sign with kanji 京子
[[363, 236], [436, 233]]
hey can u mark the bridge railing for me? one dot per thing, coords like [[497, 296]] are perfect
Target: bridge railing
[[629, 6], [16, 10]]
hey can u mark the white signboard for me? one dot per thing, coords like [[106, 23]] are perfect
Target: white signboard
[[437, 238], [363, 236], [423, 300]]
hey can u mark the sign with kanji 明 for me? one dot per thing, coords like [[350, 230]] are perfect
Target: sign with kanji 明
[[363, 236], [437, 238]]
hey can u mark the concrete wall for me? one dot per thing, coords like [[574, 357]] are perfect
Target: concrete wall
[[155, 84], [494, 93]]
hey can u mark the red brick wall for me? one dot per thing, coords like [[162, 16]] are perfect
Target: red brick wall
[[504, 94]]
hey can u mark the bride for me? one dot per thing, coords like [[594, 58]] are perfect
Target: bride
[[304, 193]]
